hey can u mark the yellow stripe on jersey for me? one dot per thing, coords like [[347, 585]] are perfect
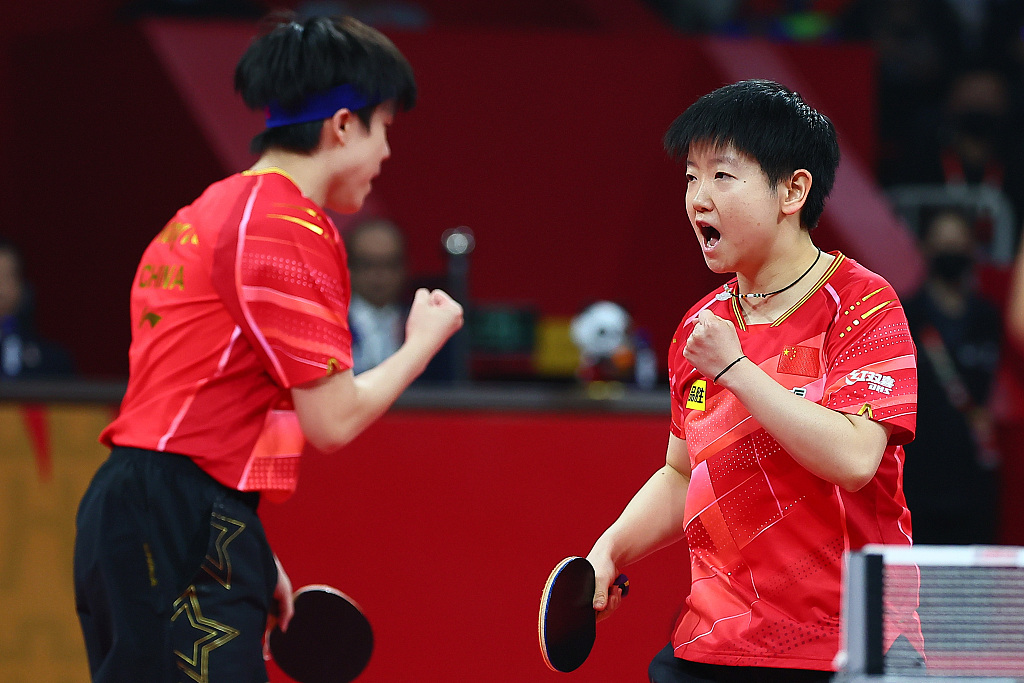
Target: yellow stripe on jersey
[[876, 309], [298, 221], [872, 293], [305, 209]]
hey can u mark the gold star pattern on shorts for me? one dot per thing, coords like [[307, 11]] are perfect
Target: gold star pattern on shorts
[[213, 634], [227, 530]]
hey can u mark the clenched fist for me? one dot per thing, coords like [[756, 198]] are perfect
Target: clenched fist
[[713, 344], [433, 318]]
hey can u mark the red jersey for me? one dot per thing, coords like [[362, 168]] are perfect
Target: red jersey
[[766, 536], [243, 295]]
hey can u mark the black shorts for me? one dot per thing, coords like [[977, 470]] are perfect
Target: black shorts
[[174, 577], [667, 668]]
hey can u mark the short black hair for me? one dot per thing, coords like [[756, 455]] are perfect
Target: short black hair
[[773, 125], [294, 58]]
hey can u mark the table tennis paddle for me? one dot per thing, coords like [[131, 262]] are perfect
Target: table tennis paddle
[[567, 624], [329, 639]]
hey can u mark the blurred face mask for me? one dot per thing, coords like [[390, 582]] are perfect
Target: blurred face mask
[[951, 266], [981, 124]]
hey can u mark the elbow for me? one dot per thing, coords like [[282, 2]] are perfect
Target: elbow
[[854, 483], [329, 439], [857, 477]]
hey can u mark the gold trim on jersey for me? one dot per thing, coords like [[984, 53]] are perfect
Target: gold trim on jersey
[[876, 309], [271, 169], [304, 209], [817, 285], [298, 221], [741, 320], [737, 312]]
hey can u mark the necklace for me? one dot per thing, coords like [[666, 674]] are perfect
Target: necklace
[[726, 292]]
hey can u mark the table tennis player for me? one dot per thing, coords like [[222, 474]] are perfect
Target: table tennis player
[[240, 352], [793, 389]]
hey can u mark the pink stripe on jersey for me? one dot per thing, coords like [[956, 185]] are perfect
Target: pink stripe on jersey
[[239, 250]]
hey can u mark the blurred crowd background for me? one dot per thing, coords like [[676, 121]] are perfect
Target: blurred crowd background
[[531, 182]]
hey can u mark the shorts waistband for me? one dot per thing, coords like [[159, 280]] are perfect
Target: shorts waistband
[[184, 465]]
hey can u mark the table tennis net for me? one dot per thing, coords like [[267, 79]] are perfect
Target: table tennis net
[[970, 601]]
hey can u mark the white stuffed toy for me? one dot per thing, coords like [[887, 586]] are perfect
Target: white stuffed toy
[[602, 334]]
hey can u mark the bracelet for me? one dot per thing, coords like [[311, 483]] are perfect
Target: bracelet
[[726, 369]]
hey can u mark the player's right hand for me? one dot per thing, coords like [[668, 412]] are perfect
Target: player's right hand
[[607, 595], [433, 318]]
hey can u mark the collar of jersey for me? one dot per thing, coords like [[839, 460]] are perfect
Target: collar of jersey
[[272, 169], [738, 311]]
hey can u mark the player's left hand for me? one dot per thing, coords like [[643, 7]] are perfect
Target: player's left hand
[[712, 344], [283, 596]]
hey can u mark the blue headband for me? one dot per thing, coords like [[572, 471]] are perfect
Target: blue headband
[[318, 106]]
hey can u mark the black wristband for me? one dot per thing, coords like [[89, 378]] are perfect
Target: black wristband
[[724, 370]]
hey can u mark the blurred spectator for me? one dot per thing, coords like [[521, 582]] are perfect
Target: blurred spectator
[[975, 143], [949, 479], [23, 354], [376, 261], [991, 30], [919, 44], [1006, 37]]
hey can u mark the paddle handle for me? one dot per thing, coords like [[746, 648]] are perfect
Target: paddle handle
[[622, 581]]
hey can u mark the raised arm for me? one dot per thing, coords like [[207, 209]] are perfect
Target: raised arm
[[652, 520], [334, 410]]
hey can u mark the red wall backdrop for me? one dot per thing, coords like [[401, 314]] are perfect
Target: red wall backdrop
[[444, 527], [547, 142]]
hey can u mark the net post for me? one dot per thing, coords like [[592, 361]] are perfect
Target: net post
[[862, 609]]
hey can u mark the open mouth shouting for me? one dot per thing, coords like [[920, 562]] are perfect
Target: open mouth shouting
[[709, 234]]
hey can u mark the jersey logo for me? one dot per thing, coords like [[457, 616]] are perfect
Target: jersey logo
[[799, 360], [799, 391], [698, 392], [150, 317], [876, 382], [165, 277], [176, 232]]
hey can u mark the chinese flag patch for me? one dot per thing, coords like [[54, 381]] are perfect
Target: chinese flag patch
[[799, 360]]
